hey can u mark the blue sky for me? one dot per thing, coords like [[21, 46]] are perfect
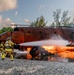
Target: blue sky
[[26, 11]]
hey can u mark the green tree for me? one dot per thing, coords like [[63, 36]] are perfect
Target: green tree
[[61, 21], [9, 29], [56, 15], [1, 32], [65, 20], [4, 29], [40, 22], [53, 24]]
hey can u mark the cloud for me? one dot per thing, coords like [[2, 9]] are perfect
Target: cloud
[[5, 22], [27, 21], [7, 5], [16, 13], [1, 19], [41, 7]]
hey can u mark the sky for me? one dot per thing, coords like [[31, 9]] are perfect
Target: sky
[[26, 11]]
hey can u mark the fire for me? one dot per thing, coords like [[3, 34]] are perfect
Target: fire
[[51, 49], [67, 54], [62, 51], [28, 55]]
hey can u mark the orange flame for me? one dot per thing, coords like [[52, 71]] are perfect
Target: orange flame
[[65, 52], [28, 55]]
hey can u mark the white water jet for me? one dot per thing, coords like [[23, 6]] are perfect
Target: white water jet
[[46, 43]]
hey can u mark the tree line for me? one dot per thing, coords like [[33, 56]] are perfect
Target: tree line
[[59, 20], [4, 29]]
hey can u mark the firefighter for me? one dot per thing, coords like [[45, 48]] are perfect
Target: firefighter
[[9, 46], [1, 46]]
